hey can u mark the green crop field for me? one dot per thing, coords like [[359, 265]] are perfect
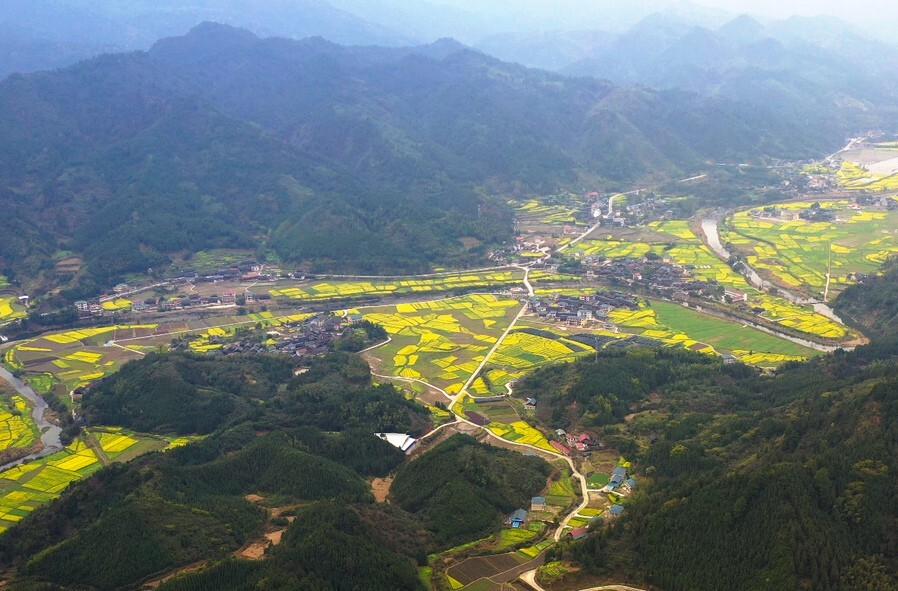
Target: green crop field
[[441, 342], [675, 324], [796, 253]]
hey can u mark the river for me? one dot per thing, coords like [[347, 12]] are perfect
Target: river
[[712, 235], [49, 432]]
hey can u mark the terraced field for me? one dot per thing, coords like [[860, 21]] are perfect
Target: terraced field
[[76, 357], [796, 254], [675, 242], [25, 488], [441, 342]]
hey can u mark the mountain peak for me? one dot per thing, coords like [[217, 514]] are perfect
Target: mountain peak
[[742, 29]]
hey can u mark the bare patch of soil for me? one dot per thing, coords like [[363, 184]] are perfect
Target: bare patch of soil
[[380, 487]]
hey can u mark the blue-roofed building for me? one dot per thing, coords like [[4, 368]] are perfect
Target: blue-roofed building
[[617, 477], [631, 482], [538, 504], [517, 519], [616, 510]]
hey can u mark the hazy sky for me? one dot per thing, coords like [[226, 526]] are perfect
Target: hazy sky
[[853, 10]]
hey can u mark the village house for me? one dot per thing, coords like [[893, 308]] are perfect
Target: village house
[[735, 294], [517, 519]]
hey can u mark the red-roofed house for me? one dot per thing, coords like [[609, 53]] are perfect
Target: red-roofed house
[[560, 447]]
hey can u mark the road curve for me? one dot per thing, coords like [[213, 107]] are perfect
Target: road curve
[[529, 578], [49, 432]]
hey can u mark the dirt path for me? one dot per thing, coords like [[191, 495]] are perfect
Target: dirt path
[[192, 568], [95, 446], [529, 578]]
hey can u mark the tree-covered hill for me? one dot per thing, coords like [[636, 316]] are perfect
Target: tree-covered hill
[[366, 159], [188, 505], [462, 489], [187, 393], [756, 482]]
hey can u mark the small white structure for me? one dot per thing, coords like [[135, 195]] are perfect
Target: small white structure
[[401, 440]]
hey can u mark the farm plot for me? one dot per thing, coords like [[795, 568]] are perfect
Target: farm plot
[[10, 309], [554, 210], [480, 567], [77, 357], [328, 290], [677, 244], [441, 342], [525, 349], [25, 488], [28, 486], [797, 253], [522, 433], [17, 428], [869, 170]]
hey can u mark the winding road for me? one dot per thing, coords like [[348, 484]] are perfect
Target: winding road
[[49, 432]]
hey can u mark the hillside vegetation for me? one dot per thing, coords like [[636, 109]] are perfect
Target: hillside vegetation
[[361, 159], [757, 483]]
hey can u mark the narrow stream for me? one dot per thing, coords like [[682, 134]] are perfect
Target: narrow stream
[[49, 432], [710, 229]]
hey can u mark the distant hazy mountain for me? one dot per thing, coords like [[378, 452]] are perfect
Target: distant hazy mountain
[[45, 34], [803, 67], [344, 158]]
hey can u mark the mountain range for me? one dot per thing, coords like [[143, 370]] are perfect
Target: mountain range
[[343, 158]]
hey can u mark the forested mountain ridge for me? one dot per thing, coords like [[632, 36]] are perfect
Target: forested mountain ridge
[[364, 159]]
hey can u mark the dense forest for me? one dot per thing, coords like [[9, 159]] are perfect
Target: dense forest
[[364, 159], [758, 482]]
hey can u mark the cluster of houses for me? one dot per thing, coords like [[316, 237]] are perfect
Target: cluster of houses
[[584, 309], [301, 340], [567, 442], [87, 309], [652, 273]]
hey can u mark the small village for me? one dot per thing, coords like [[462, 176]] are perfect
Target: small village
[[301, 339]]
